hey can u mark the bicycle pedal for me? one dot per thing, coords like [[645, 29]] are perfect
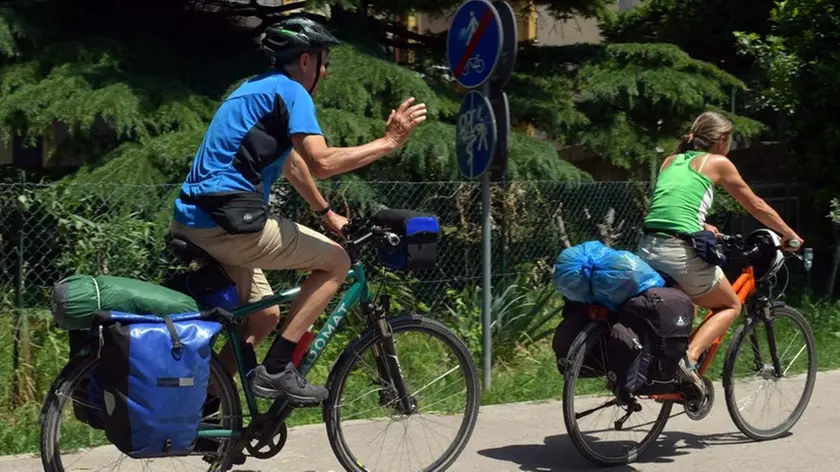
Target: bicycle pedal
[[238, 459]]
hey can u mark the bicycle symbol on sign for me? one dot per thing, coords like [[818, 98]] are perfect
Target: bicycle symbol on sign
[[475, 63]]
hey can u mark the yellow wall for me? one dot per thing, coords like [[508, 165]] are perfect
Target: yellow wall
[[406, 56], [526, 19]]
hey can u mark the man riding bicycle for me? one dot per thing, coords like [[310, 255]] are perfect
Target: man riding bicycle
[[264, 129]]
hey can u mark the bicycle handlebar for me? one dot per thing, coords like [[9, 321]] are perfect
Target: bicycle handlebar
[[737, 242], [357, 233]]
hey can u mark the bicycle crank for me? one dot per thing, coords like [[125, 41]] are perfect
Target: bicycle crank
[[697, 409], [267, 434]]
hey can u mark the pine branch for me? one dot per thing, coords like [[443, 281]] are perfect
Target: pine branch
[[253, 8]]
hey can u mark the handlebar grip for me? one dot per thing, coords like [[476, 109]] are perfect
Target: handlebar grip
[[794, 243]]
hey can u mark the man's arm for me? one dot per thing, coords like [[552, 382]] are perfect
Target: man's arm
[[296, 170], [325, 161]]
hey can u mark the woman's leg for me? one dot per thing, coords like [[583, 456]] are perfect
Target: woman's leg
[[726, 307]]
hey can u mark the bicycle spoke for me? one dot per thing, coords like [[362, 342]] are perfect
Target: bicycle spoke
[[588, 412], [436, 400], [750, 397], [598, 438], [61, 423]]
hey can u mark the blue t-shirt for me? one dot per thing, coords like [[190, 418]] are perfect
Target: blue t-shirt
[[247, 143]]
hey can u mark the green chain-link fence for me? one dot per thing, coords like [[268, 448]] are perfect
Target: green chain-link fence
[[51, 231]]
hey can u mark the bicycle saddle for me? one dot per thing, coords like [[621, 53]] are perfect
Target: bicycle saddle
[[185, 250]]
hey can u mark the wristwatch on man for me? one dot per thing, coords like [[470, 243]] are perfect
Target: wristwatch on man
[[324, 212]]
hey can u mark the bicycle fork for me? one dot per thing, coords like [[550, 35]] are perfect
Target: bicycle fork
[[388, 365], [765, 315]]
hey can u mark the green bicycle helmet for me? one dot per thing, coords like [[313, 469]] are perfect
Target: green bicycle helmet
[[288, 39]]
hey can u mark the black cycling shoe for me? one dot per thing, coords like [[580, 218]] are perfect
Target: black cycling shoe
[[289, 384]]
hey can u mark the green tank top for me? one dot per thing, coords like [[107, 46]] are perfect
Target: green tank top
[[682, 197]]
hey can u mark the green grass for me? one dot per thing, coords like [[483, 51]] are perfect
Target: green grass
[[528, 374]]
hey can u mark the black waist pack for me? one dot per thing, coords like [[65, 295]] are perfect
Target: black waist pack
[[235, 212], [705, 243]]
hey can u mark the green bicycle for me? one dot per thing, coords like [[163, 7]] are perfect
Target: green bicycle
[[385, 352]]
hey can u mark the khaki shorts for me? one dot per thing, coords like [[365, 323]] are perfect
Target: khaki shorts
[[676, 258], [281, 245]]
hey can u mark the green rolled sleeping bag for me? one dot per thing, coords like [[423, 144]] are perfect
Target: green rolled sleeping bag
[[75, 299]]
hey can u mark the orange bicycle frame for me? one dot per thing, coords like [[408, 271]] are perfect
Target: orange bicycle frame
[[744, 287]]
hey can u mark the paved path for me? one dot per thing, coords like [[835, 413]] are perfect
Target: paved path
[[531, 437]]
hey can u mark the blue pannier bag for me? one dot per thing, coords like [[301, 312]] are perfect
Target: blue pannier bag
[[419, 235], [593, 273], [154, 373]]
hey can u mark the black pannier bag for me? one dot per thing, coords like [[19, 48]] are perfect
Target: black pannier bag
[[419, 235], [87, 397], [648, 340], [576, 316], [209, 286]]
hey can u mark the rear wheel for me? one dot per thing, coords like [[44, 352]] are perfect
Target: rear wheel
[[775, 356], [633, 423], [81, 452]]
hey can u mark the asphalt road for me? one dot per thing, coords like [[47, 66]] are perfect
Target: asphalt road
[[531, 437]]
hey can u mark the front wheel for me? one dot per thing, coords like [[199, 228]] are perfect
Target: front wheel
[[429, 428], [787, 359]]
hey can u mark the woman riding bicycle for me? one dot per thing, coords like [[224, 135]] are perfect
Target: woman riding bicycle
[[675, 243]]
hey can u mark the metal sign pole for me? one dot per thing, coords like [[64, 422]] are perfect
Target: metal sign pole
[[487, 269], [481, 52]]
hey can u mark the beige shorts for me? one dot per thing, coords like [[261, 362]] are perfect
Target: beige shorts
[[678, 259], [281, 245]]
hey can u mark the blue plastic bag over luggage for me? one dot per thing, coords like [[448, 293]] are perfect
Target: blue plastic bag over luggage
[[593, 273]]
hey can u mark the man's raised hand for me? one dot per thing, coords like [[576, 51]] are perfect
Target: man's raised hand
[[403, 120]]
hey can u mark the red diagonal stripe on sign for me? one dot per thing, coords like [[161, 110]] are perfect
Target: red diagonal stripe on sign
[[485, 20]]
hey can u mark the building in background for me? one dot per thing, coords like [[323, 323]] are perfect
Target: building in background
[[535, 24]]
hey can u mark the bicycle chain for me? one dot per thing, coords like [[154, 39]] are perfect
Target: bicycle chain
[[263, 432]]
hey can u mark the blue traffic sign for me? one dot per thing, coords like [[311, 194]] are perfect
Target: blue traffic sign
[[474, 42], [475, 134]]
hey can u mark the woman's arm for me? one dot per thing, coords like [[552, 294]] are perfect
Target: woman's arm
[[731, 180]]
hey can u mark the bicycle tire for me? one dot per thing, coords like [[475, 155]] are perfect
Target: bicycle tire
[[729, 365], [340, 372], [79, 367], [584, 341]]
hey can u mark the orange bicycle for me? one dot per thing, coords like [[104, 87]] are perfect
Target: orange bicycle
[[765, 368]]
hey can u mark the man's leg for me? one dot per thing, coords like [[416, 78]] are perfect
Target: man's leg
[[284, 245], [231, 252], [303, 249], [252, 286]]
